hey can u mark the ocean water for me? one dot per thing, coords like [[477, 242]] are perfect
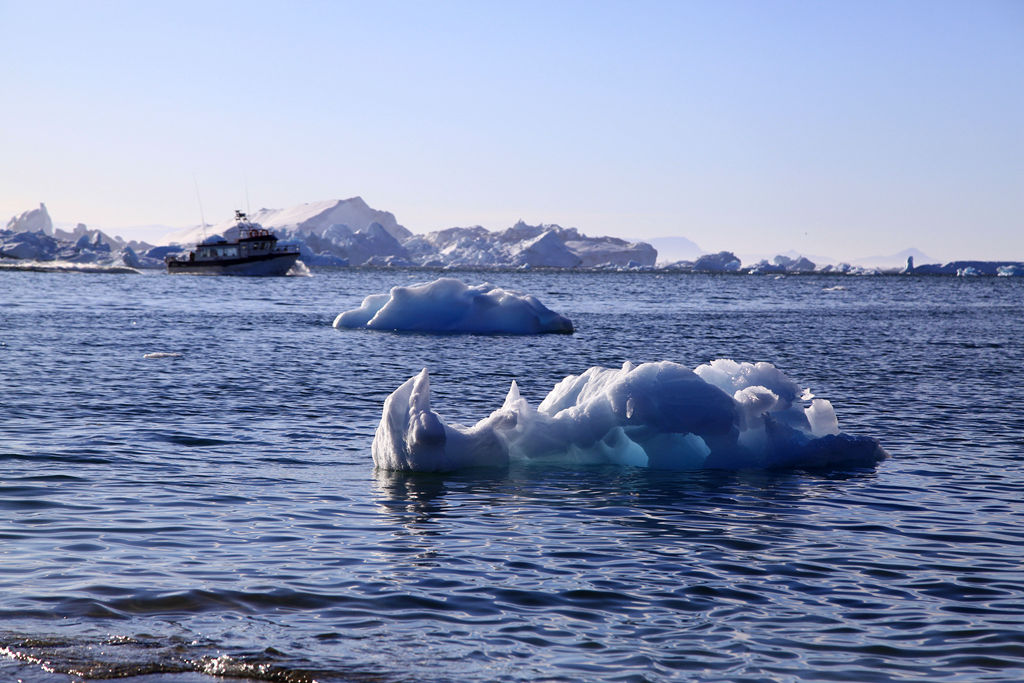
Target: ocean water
[[215, 513]]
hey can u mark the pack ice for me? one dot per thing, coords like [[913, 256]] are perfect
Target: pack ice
[[724, 415], [448, 305]]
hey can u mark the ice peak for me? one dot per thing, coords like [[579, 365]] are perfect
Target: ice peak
[[33, 220], [512, 397]]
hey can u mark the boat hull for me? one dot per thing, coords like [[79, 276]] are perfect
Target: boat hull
[[260, 266]]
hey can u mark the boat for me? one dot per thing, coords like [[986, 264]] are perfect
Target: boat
[[254, 251]]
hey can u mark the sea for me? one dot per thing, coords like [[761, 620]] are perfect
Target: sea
[[187, 493]]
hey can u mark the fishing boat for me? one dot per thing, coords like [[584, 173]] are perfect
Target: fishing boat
[[254, 251]]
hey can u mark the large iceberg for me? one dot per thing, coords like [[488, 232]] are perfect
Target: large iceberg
[[529, 246], [349, 233], [33, 220], [447, 305], [723, 415], [32, 242]]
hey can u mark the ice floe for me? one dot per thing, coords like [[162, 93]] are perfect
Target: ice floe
[[447, 305], [724, 415]]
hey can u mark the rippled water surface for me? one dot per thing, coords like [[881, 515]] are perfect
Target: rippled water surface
[[216, 513]]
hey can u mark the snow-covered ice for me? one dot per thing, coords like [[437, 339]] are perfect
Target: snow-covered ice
[[447, 305], [724, 415], [33, 220]]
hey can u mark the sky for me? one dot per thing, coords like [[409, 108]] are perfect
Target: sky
[[839, 128]]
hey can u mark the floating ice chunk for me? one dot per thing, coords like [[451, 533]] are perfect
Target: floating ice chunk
[[161, 354], [411, 436], [657, 415], [448, 305]]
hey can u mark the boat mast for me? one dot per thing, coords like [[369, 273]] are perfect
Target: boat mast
[[199, 199]]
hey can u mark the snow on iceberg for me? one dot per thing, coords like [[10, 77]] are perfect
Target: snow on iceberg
[[722, 415], [447, 305]]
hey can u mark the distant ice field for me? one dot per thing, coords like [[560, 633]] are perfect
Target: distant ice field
[[188, 490]]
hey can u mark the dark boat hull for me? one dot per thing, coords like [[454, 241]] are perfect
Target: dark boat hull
[[264, 265]]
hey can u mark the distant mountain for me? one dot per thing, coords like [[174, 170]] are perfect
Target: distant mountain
[[671, 249]]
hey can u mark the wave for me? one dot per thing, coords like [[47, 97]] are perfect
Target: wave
[[118, 657], [65, 267]]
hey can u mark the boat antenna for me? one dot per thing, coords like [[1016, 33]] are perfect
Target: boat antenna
[[199, 199], [245, 182]]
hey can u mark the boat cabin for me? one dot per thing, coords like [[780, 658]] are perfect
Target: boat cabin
[[254, 251], [253, 240]]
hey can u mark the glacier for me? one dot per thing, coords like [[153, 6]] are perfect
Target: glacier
[[662, 415], [448, 305]]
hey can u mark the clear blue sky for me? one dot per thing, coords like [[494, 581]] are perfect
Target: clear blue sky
[[840, 128]]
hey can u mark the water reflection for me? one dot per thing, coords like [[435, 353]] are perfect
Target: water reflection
[[617, 500], [409, 497]]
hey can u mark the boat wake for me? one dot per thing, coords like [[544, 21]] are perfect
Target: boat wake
[[300, 269], [64, 267]]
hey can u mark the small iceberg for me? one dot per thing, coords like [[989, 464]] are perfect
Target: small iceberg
[[449, 306], [722, 415]]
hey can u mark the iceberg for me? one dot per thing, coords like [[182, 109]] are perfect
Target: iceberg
[[784, 264], [525, 246], [721, 415], [722, 262], [33, 220], [447, 305], [32, 242]]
